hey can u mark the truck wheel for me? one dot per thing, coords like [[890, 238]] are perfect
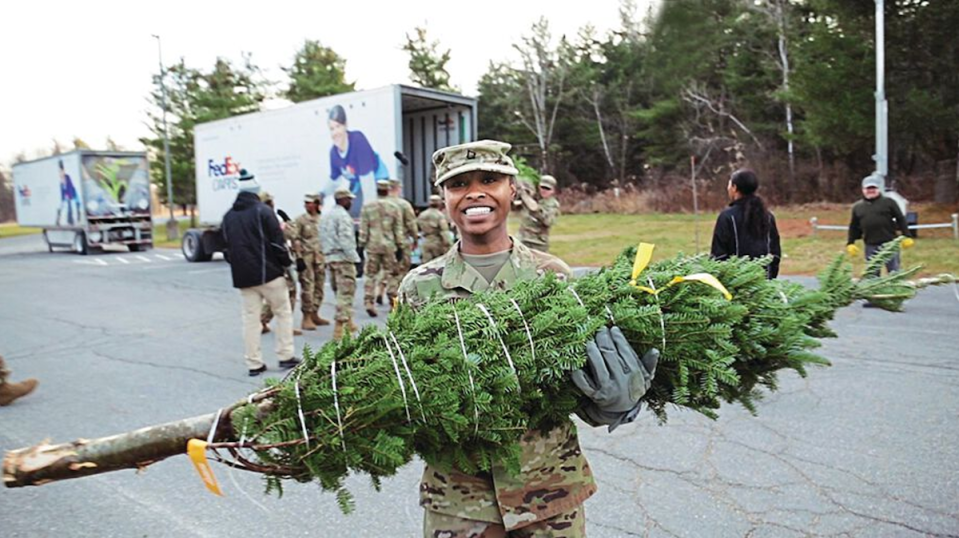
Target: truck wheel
[[192, 247], [80, 243], [134, 247]]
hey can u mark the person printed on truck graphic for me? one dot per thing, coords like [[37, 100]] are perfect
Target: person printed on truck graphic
[[353, 159], [68, 197]]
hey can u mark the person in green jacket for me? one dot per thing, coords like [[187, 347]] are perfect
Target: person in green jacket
[[876, 219]]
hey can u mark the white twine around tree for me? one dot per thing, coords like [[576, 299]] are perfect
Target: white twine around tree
[[399, 377], [783, 295], [578, 300], [529, 335], [610, 314], [216, 422], [336, 405], [469, 373], [409, 374], [662, 318], [509, 358], [299, 409], [232, 473]]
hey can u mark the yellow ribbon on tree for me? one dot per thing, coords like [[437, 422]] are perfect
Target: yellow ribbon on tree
[[644, 254], [196, 449]]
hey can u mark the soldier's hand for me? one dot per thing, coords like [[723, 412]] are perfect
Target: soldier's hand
[[852, 249], [908, 242], [614, 378]]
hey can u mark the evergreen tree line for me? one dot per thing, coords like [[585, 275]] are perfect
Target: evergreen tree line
[[689, 87]]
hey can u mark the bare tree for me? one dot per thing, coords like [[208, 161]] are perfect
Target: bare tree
[[543, 71], [777, 12]]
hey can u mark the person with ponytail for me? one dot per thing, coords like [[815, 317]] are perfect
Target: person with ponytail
[[746, 227]]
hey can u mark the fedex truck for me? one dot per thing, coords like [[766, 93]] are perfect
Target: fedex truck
[[351, 139], [86, 199]]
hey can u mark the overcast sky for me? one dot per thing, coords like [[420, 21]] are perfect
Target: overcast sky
[[84, 68]]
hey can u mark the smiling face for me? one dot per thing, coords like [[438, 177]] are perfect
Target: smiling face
[[338, 134], [479, 202]]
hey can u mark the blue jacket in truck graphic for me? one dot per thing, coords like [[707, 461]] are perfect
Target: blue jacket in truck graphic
[[353, 159], [68, 199]]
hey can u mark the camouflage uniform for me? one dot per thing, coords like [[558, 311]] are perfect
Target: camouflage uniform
[[338, 240], [412, 232], [381, 234], [306, 230], [266, 314], [534, 228], [555, 478], [436, 233]]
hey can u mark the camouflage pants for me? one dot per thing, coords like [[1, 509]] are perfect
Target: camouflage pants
[[432, 250], [343, 274], [376, 262], [536, 242], [312, 282], [570, 524], [392, 280], [267, 313]]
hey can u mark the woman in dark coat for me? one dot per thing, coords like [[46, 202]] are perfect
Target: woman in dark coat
[[746, 227]]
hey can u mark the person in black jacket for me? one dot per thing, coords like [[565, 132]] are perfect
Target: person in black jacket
[[876, 219], [258, 257], [746, 227]]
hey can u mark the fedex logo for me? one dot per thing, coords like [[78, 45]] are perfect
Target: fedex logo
[[229, 167]]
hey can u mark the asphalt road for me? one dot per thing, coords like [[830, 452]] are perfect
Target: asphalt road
[[866, 448]]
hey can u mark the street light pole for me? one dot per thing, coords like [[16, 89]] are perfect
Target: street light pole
[[172, 229], [882, 107]]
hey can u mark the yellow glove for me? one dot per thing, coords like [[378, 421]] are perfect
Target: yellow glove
[[852, 249], [908, 242]]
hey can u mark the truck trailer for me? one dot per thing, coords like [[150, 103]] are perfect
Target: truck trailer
[[317, 146], [86, 199]]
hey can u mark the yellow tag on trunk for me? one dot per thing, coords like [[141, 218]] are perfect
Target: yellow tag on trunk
[[196, 449]]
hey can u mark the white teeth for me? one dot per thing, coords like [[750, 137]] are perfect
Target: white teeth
[[478, 210]]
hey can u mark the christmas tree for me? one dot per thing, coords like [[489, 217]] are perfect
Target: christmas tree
[[458, 383]]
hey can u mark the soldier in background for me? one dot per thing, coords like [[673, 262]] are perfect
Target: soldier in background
[[538, 215], [338, 241], [381, 237], [435, 229], [309, 262], [266, 314], [12, 391], [391, 282]]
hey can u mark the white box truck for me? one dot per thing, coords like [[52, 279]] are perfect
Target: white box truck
[[86, 199], [349, 139]]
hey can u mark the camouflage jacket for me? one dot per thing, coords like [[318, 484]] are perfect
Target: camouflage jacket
[[381, 227], [337, 236], [434, 227], [555, 476], [408, 219], [306, 230], [534, 228]]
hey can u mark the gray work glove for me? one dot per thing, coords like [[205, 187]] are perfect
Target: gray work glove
[[614, 378]]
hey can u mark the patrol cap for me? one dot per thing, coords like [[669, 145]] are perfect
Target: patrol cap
[[435, 199], [382, 184], [547, 182], [872, 180], [395, 182], [265, 197], [311, 198], [343, 192], [488, 155]]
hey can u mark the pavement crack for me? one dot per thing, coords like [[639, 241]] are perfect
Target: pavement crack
[[168, 367]]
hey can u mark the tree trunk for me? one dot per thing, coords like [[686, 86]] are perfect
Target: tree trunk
[[43, 463], [946, 185]]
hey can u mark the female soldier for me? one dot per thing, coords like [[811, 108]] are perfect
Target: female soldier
[[545, 499]]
